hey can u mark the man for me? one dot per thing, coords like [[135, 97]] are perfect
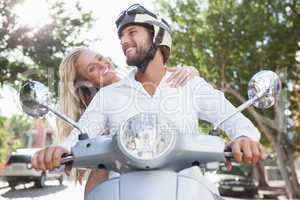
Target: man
[[146, 43]]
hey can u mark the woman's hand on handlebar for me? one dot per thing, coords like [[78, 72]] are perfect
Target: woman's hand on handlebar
[[49, 158]]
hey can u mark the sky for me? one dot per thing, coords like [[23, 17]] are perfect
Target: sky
[[103, 28]]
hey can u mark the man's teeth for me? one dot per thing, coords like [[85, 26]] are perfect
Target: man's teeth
[[129, 49], [105, 70]]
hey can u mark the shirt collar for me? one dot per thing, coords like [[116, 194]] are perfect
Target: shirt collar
[[130, 80]]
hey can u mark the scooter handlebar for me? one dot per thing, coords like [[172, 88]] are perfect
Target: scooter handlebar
[[229, 155], [67, 159]]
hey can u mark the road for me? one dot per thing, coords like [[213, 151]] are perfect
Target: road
[[52, 191]]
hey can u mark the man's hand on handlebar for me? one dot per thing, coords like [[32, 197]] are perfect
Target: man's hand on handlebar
[[49, 159], [247, 150]]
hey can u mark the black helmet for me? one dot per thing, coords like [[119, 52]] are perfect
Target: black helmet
[[138, 15]]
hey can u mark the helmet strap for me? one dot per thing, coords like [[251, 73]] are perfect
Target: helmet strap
[[149, 56]]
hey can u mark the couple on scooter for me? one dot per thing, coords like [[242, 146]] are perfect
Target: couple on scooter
[[146, 43]]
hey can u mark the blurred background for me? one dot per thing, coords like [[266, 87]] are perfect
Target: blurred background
[[228, 41]]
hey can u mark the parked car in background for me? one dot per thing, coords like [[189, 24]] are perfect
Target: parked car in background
[[236, 182], [18, 170], [273, 176]]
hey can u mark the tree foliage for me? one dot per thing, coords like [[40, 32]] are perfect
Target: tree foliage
[[18, 125], [31, 52], [8, 141], [229, 41]]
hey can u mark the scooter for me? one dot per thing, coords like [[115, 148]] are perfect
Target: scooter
[[154, 160]]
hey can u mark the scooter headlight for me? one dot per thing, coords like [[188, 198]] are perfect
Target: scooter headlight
[[146, 137]]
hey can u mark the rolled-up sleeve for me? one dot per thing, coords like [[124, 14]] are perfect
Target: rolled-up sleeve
[[212, 106], [92, 122]]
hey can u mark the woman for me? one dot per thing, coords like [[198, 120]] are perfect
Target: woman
[[82, 73]]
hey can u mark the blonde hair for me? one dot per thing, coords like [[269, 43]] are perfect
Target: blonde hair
[[73, 98]]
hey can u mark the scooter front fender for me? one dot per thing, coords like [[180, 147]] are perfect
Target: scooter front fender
[[149, 185]]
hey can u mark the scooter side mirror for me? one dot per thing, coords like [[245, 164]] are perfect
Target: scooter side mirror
[[263, 90], [265, 85], [34, 96], [36, 101]]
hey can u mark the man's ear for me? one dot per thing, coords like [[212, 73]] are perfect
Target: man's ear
[[165, 52]]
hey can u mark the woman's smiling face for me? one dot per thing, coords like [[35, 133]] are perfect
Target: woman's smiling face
[[93, 67]]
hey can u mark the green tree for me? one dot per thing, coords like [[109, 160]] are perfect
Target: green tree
[[5, 138], [7, 141], [229, 41], [43, 47], [18, 126]]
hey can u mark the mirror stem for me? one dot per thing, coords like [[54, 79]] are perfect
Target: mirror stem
[[66, 119], [238, 109]]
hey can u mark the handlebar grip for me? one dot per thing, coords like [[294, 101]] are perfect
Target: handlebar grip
[[66, 159], [229, 156], [228, 153]]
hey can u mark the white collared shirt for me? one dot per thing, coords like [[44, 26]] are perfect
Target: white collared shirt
[[183, 106]]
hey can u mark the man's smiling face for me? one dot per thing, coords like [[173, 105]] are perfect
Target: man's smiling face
[[135, 41]]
